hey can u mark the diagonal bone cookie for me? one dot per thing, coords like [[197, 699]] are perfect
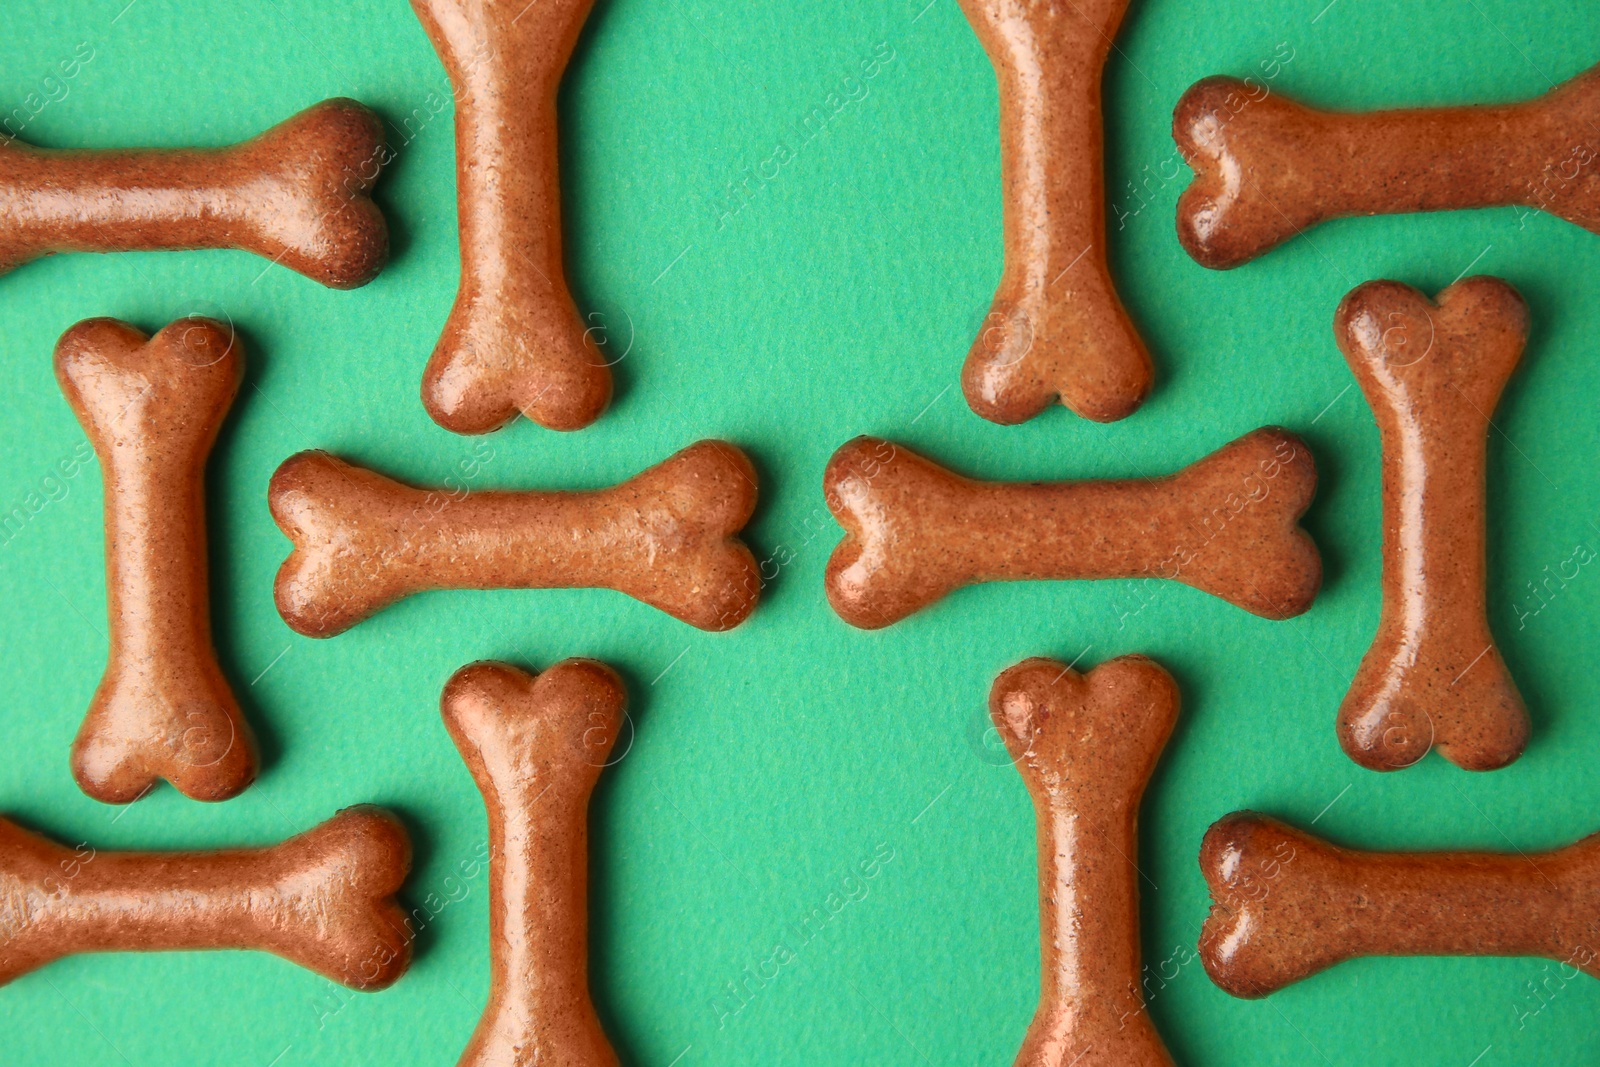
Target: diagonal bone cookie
[[1057, 327], [152, 407], [297, 195], [1433, 374], [666, 537], [1288, 905], [514, 340], [323, 900], [1086, 745], [1227, 525], [1267, 168], [536, 747]]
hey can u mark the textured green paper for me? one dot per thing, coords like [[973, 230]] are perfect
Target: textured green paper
[[769, 762]]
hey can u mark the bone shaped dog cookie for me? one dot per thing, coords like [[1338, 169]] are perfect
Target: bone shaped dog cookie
[[1288, 905], [536, 747], [297, 195], [1433, 374], [514, 340], [1086, 745], [152, 407], [666, 537], [323, 900], [1267, 168], [1226, 525], [1057, 327]]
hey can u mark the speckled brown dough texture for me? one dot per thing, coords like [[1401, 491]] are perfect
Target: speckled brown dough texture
[[666, 537], [1288, 905], [514, 341], [1433, 374], [152, 406], [536, 747], [323, 900], [1057, 326], [296, 195], [1227, 525], [1086, 745], [1267, 168]]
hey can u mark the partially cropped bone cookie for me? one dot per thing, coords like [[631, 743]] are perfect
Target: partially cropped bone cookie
[[514, 340], [666, 537], [152, 407], [536, 747], [323, 900], [1268, 168], [1433, 374], [1288, 905], [1057, 328], [1086, 745], [297, 195], [1227, 525]]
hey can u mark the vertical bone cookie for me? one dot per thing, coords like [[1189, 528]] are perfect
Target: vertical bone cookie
[[152, 407], [1433, 374], [1086, 745], [1227, 525], [297, 195], [1057, 327], [1289, 905], [323, 900], [514, 340], [535, 747], [1267, 168], [666, 537]]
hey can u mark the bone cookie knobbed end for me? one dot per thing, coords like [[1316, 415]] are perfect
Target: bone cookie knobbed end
[[152, 407], [1433, 373]]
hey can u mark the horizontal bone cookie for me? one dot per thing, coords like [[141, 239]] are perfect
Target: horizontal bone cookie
[[1057, 327], [1227, 525], [1288, 905], [666, 537], [536, 747], [514, 340], [152, 407], [323, 900], [1268, 168], [1433, 374], [296, 195], [1086, 745]]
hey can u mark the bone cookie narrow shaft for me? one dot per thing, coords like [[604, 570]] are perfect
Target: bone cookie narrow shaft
[[152, 407], [1288, 905], [1057, 327], [323, 900], [514, 340], [297, 195], [1227, 525], [535, 747], [1267, 168], [1086, 745], [1433, 374], [666, 537]]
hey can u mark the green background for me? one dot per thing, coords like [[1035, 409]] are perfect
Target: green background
[[769, 761]]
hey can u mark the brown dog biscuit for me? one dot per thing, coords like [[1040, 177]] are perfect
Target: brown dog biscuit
[[1086, 745], [1288, 905], [323, 900], [152, 407], [514, 340], [1227, 525], [535, 747], [666, 537], [296, 195], [1267, 168], [1433, 374], [1057, 327]]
